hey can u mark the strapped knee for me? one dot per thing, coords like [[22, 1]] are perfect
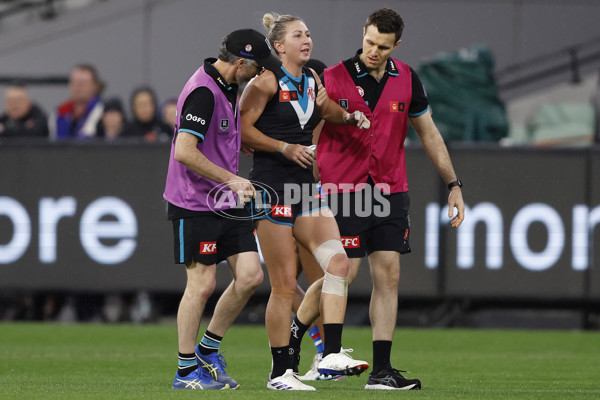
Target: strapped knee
[[325, 252], [334, 284], [283, 292]]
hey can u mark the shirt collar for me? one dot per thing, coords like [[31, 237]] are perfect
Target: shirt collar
[[360, 70], [221, 82]]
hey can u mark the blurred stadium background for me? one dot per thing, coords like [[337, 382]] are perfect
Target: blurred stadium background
[[514, 89]]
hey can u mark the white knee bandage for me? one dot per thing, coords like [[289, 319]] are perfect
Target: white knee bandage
[[334, 284], [326, 251]]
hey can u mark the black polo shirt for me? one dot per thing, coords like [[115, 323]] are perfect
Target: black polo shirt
[[373, 89]]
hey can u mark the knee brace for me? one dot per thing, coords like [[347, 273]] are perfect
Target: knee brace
[[334, 284], [326, 251]]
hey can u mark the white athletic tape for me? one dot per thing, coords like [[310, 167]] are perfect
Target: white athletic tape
[[326, 251], [312, 150], [334, 284]]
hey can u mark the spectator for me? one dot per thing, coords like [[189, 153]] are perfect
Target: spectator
[[168, 112], [21, 118], [78, 116], [113, 121], [144, 117]]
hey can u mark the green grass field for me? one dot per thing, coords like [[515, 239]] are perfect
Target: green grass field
[[88, 361]]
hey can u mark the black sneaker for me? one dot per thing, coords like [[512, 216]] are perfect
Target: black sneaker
[[391, 379]]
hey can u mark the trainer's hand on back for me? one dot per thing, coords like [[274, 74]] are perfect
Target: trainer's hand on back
[[455, 199], [299, 154]]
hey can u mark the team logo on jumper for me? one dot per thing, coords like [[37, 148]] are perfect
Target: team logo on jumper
[[208, 247], [351, 242], [224, 124], [288, 95], [281, 211], [343, 103], [361, 91], [311, 94], [396, 106]]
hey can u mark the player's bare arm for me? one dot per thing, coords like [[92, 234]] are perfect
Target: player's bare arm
[[331, 112], [252, 104]]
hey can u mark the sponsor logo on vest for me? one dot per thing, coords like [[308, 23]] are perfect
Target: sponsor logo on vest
[[288, 95], [224, 124], [351, 242], [361, 91], [343, 103], [396, 106], [191, 117], [311, 93], [208, 247]]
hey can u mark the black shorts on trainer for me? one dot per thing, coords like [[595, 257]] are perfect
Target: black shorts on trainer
[[367, 224], [210, 238]]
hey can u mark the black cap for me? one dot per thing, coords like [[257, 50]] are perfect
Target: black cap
[[248, 43]]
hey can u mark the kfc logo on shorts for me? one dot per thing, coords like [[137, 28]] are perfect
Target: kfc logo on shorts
[[208, 247], [282, 211], [396, 106], [311, 93], [343, 103], [351, 242], [361, 91]]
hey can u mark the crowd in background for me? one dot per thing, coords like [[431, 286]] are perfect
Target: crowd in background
[[86, 115]]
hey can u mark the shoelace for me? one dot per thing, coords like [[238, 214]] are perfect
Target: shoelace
[[346, 351], [221, 364]]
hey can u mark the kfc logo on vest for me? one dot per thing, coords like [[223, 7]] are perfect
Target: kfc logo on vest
[[396, 106], [351, 242], [311, 93], [361, 91], [282, 211], [208, 247]]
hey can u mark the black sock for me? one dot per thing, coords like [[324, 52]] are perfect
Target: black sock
[[333, 343], [281, 360], [187, 364], [210, 343], [381, 355], [298, 331]]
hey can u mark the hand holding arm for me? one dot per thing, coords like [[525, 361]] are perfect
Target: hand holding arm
[[331, 112]]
